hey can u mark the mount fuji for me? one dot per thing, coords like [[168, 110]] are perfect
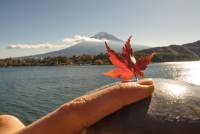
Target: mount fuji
[[90, 48]]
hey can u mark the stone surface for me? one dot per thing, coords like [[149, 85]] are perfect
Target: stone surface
[[173, 108]]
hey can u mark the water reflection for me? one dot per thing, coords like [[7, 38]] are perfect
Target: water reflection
[[193, 72], [184, 71], [176, 90]]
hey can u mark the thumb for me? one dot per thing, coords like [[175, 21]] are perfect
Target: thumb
[[146, 88], [131, 92], [147, 81], [147, 84]]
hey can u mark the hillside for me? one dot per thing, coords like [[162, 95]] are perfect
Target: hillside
[[185, 52]]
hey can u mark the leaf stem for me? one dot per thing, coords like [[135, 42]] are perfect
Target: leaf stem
[[136, 78]]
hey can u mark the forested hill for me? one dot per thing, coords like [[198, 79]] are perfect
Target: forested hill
[[185, 52]]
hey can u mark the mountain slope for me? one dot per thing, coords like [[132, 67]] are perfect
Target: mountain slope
[[90, 48], [189, 51]]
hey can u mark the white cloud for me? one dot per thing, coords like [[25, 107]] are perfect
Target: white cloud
[[78, 38], [36, 46], [67, 42]]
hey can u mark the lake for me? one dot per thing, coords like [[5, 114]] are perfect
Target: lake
[[31, 92]]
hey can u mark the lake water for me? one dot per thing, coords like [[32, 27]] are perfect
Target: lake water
[[31, 92]]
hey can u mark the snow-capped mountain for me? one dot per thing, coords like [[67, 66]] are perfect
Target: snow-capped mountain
[[104, 35], [90, 48]]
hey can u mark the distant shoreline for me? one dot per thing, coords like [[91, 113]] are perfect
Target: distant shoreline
[[88, 64], [100, 59]]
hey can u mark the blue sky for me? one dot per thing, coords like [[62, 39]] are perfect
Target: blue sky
[[151, 22]]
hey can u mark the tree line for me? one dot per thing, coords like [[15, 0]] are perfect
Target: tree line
[[100, 59]]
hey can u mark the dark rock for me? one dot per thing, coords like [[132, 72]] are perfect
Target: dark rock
[[173, 108]]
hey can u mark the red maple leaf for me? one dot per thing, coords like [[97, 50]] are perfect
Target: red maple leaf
[[126, 65]]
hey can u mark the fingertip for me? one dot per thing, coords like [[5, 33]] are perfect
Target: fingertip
[[149, 89], [147, 81]]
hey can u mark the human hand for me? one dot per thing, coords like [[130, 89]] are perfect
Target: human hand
[[82, 112]]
